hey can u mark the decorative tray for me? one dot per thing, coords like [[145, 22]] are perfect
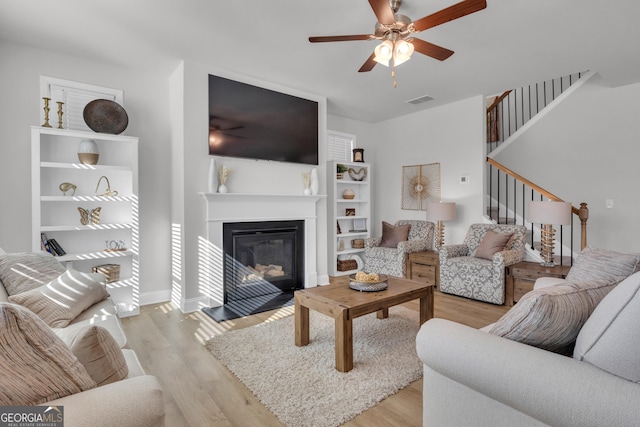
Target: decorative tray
[[369, 285], [105, 116]]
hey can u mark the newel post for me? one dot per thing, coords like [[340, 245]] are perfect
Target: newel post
[[583, 214]]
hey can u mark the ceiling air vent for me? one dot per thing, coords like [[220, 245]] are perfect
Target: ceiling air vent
[[419, 100]]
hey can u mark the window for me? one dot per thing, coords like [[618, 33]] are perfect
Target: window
[[340, 146], [75, 96]]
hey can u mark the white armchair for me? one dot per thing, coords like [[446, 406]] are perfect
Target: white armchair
[[392, 260]]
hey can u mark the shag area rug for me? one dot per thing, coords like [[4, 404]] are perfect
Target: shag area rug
[[300, 384]]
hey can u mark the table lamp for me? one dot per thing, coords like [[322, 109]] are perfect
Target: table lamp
[[549, 213], [441, 211]]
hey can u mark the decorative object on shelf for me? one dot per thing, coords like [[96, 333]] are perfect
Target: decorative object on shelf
[[88, 153], [340, 170], [110, 271], [347, 264], [93, 214], [338, 230], [306, 178], [348, 194], [105, 116], [46, 113], [212, 181], [420, 185], [67, 186], [549, 213], [341, 245], [358, 175], [108, 192], [357, 243], [358, 155], [359, 225], [223, 174], [315, 185], [114, 246], [60, 113], [441, 211], [350, 212]]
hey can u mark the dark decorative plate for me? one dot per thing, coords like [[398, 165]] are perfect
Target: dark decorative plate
[[105, 116]]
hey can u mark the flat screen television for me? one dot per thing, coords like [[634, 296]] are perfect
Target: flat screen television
[[252, 122]]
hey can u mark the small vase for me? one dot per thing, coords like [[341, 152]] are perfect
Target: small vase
[[307, 191], [222, 189], [314, 185], [213, 177], [88, 153]]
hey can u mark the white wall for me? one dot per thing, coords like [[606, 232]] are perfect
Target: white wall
[[450, 135], [586, 150], [146, 102], [189, 85]]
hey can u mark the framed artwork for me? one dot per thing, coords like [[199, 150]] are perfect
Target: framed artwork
[[420, 184], [359, 224], [350, 212]]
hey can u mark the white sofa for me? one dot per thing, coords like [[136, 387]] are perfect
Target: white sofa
[[136, 400], [475, 378]]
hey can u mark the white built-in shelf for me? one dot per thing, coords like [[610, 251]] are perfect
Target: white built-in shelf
[[337, 206]]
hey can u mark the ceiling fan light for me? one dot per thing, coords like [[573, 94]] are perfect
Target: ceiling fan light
[[403, 52], [383, 53]]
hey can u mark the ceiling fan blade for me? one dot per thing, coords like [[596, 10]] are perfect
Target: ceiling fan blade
[[450, 13], [320, 39], [383, 11], [430, 49], [368, 64]]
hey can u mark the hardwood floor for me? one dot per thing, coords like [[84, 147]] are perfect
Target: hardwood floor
[[199, 391]]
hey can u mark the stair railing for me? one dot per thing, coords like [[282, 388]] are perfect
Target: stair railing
[[511, 110], [509, 193]]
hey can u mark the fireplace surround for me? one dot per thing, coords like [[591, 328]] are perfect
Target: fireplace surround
[[253, 208]]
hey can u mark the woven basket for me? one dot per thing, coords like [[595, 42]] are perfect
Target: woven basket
[[347, 264], [111, 271], [357, 243]]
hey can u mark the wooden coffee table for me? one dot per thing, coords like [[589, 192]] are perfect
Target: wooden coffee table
[[344, 304]]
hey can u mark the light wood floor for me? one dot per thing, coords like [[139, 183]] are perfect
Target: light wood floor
[[199, 391]]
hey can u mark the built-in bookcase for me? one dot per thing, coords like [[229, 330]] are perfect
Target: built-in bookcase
[[111, 234], [349, 218]]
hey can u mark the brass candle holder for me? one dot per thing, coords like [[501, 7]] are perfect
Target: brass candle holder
[[46, 113], [60, 113]]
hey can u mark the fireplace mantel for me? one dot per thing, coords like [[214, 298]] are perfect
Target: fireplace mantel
[[239, 207]]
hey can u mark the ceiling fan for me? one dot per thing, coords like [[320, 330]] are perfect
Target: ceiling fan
[[396, 32]]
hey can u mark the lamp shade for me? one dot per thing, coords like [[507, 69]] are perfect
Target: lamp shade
[[403, 52], [383, 53], [550, 212], [441, 211]]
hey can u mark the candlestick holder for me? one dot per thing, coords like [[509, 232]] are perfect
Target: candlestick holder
[[60, 113], [46, 113]]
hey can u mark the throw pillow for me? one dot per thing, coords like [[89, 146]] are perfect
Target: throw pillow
[[63, 299], [36, 365], [100, 354], [610, 339], [394, 234], [491, 243], [594, 263], [26, 271], [551, 318]]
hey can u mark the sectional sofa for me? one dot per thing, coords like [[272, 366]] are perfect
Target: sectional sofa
[[62, 344]]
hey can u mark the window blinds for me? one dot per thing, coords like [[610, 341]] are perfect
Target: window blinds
[[340, 146]]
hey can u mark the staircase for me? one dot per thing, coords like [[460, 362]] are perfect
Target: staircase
[[507, 193]]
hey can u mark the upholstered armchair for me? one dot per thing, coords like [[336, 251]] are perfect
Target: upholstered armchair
[[476, 268], [388, 254]]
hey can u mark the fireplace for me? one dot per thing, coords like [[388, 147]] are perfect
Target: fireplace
[[262, 258], [227, 208]]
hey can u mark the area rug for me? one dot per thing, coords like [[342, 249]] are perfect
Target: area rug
[[300, 384]]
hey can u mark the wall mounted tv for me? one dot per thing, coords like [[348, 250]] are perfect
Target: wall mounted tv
[[256, 123]]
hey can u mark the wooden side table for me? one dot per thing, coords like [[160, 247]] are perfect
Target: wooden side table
[[521, 277], [424, 267]]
